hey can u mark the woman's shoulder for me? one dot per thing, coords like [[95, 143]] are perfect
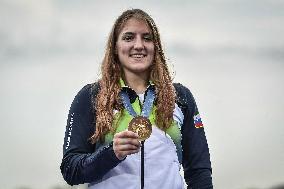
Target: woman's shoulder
[[182, 90], [183, 94], [86, 94], [89, 89]]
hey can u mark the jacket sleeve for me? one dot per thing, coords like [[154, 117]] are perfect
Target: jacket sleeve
[[81, 162], [195, 158]]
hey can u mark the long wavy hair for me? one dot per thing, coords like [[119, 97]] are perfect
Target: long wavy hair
[[108, 98]]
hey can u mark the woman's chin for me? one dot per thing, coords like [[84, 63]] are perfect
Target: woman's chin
[[138, 69]]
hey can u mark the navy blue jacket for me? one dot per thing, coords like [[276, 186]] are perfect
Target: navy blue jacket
[[83, 163]]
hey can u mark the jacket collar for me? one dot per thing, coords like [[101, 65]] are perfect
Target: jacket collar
[[130, 92]]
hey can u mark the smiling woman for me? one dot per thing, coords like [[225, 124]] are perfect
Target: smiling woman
[[135, 48], [134, 127]]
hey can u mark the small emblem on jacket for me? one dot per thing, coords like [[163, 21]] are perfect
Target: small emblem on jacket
[[197, 120]]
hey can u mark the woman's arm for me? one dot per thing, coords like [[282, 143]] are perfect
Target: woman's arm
[[195, 157], [81, 162]]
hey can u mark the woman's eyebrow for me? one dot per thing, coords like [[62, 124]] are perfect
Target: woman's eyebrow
[[128, 33], [147, 33], [133, 33]]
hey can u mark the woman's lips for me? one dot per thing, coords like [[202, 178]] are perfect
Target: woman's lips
[[137, 55]]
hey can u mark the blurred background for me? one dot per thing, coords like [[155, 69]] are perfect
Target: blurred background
[[230, 53]]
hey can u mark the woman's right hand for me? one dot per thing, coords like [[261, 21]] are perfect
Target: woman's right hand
[[125, 143]]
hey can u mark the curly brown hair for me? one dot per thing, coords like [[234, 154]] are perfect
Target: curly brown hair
[[108, 97]]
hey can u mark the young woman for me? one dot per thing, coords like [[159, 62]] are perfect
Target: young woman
[[105, 131]]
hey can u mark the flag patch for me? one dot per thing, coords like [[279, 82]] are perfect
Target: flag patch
[[197, 121]]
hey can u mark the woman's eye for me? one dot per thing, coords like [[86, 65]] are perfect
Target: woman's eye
[[148, 38], [127, 38]]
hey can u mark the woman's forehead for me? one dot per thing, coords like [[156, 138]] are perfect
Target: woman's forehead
[[135, 25]]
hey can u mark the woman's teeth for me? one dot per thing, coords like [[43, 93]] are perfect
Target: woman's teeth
[[137, 55]]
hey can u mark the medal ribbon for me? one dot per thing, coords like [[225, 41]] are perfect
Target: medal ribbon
[[147, 106], [146, 110]]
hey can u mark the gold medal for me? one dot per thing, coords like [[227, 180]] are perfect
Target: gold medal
[[142, 126]]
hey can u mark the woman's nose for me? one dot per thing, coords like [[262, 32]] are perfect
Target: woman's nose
[[138, 44]]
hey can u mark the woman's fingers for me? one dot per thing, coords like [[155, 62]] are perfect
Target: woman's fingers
[[126, 134], [127, 147], [125, 143]]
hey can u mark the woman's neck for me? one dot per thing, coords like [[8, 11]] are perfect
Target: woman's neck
[[138, 82]]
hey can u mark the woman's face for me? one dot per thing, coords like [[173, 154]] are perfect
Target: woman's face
[[135, 47]]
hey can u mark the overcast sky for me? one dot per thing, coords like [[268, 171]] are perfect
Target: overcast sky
[[229, 53]]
